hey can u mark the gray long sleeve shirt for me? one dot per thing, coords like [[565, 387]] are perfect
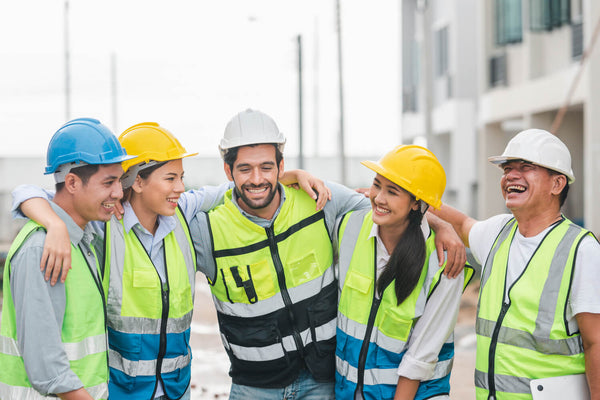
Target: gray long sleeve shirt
[[40, 310]]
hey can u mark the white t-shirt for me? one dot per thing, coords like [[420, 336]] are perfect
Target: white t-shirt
[[584, 295]]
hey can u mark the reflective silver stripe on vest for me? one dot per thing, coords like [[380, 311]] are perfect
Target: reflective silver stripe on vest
[[27, 393], [145, 367], [75, 351], [90, 345], [504, 383], [540, 340], [565, 347], [275, 302], [277, 350], [487, 270], [385, 376], [358, 331], [147, 325], [9, 346], [549, 297], [348, 243]]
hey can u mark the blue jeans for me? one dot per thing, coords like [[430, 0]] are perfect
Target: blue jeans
[[303, 388], [186, 396]]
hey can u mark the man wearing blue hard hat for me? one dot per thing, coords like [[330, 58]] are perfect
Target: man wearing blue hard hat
[[51, 339]]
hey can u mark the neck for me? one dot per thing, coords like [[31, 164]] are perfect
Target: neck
[[65, 201], [148, 219], [532, 224], [391, 235]]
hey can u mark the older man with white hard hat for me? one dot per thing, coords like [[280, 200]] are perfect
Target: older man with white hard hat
[[538, 315]]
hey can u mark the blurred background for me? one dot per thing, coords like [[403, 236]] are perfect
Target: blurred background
[[344, 80]]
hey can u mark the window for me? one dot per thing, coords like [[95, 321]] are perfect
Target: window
[[509, 24], [546, 15], [441, 52]]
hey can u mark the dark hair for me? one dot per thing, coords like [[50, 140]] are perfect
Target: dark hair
[[562, 197], [144, 174], [231, 154], [84, 173], [406, 261]]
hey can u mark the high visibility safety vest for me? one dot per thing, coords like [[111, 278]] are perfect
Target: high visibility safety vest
[[149, 321], [83, 331], [372, 333], [275, 292], [527, 337]]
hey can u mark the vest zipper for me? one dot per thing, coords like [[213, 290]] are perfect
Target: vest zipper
[[492, 352], [162, 348], [287, 301], [364, 349]]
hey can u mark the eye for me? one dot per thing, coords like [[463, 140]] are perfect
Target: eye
[[376, 185], [392, 193], [267, 167]]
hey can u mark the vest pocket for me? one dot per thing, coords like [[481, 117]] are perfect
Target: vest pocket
[[395, 326], [253, 340], [302, 270], [249, 283]]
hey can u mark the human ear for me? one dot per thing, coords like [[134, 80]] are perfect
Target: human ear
[[228, 172], [137, 184], [558, 184], [72, 182]]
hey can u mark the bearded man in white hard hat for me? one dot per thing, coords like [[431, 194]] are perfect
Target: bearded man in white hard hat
[[268, 256], [538, 315]]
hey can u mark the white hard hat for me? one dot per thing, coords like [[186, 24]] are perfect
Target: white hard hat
[[250, 127], [539, 147]]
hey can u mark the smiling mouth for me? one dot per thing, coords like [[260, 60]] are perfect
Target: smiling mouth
[[515, 189], [257, 190], [173, 200], [108, 206], [382, 210]]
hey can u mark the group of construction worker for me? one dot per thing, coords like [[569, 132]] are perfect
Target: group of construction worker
[[321, 291]]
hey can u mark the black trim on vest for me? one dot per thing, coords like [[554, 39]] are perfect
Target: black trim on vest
[[265, 243], [565, 320], [212, 249]]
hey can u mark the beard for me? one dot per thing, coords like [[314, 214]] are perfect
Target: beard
[[256, 204]]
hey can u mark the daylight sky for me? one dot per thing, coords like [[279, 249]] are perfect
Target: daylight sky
[[192, 64]]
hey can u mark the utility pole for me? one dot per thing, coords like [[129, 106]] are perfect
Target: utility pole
[[426, 74], [113, 91], [341, 95], [67, 63], [300, 114]]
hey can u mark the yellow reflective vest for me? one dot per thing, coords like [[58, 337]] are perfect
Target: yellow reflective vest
[[83, 331], [527, 337]]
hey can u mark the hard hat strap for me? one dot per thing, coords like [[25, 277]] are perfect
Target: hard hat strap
[[62, 170]]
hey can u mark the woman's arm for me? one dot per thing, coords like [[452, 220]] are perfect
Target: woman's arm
[[431, 331]]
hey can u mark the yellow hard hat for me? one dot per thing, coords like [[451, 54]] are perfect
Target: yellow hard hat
[[416, 170], [150, 141]]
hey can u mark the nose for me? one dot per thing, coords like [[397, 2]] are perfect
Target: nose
[[117, 190], [179, 186], [255, 177], [380, 197]]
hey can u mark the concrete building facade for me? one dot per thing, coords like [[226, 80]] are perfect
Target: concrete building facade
[[530, 52], [439, 89]]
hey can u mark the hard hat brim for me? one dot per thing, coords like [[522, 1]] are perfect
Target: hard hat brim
[[499, 160]]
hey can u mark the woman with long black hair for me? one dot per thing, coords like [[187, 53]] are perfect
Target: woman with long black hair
[[397, 310]]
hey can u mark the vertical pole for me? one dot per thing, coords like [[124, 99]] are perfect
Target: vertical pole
[[67, 63], [113, 91], [341, 95], [300, 114]]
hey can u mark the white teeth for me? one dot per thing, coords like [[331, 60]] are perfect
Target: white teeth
[[382, 210], [515, 188], [256, 190]]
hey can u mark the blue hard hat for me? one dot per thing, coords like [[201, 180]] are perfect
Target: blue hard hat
[[84, 140]]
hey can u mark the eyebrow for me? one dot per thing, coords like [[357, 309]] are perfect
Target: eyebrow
[[249, 165]]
